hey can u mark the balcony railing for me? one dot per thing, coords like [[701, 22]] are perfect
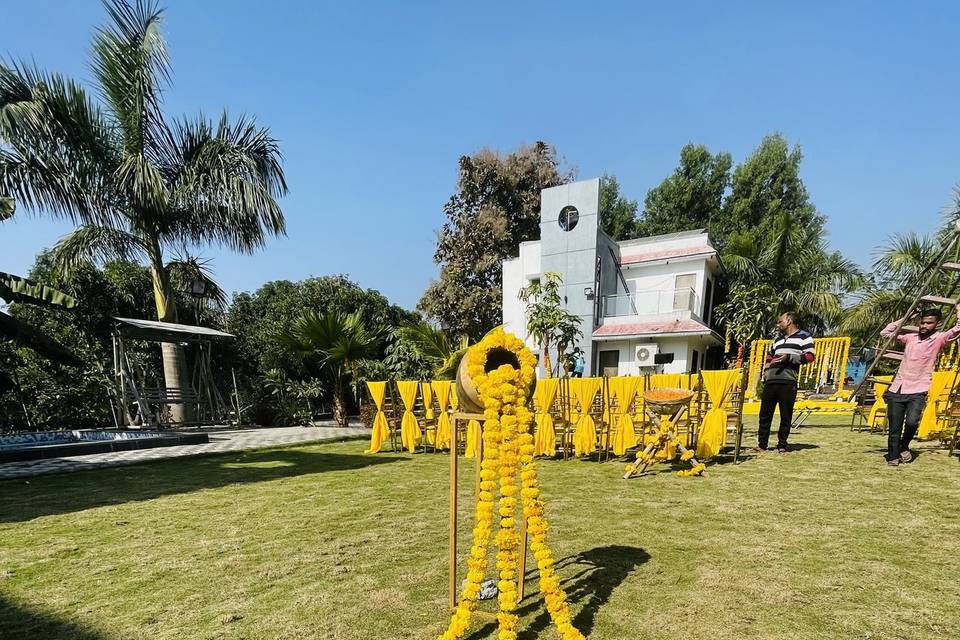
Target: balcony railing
[[651, 303]]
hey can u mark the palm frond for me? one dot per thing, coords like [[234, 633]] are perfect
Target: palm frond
[[96, 244], [187, 269], [17, 289], [7, 208], [131, 65]]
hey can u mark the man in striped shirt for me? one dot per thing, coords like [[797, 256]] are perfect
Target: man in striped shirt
[[793, 348], [907, 395]]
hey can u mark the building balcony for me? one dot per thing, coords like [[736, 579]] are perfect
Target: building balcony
[[682, 302]]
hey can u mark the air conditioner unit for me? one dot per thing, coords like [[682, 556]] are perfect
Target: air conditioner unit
[[646, 354]]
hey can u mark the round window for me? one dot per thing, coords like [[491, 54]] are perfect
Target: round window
[[569, 217]]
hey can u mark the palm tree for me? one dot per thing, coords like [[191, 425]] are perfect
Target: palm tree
[[138, 182], [797, 270], [336, 344], [433, 345]]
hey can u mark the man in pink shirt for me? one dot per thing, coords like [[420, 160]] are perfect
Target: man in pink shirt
[[907, 394]]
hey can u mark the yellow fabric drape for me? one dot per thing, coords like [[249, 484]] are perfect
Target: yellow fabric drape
[[428, 413], [938, 387], [879, 388], [410, 433], [381, 430], [474, 434], [625, 389], [585, 436], [713, 429], [441, 388], [664, 381], [545, 437]]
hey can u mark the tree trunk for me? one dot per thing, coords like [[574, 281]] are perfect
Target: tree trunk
[[176, 374], [546, 359], [340, 408]]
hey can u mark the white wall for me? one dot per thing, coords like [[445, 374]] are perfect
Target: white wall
[[681, 348], [646, 279]]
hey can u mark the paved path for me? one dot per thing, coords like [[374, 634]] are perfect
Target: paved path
[[220, 441]]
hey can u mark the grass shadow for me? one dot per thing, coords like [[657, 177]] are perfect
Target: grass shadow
[[598, 572], [23, 499], [17, 621]]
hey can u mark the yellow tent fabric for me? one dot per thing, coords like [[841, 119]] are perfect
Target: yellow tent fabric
[[428, 414], [939, 387], [879, 388], [410, 433], [624, 388], [545, 437], [381, 430], [713, 429], [442, 390], [585, 436]]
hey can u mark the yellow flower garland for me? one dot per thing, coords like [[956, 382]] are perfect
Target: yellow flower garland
[[508, 447]]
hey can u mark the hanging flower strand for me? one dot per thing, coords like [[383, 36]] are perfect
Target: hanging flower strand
[[508, 456]]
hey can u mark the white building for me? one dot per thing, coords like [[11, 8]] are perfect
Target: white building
[[646, 305]]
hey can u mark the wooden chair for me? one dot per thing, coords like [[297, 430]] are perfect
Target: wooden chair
[[428, 424]]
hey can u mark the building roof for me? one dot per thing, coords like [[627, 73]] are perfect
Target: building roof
[[665, 254], [655, 328], [154, 331]]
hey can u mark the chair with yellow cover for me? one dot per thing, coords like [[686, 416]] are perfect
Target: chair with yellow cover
[[544, 404], [380, 429], [943, 399], [443, 391], [584, 412], [715, 403], [410, 432], [426, 414], [624, 396]]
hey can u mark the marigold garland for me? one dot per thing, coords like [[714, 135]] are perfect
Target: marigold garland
[[508, 448]]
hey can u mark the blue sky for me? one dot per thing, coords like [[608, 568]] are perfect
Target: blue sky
[[373, 104]]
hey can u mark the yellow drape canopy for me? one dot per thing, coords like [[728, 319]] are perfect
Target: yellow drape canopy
[[410, 432], [381, 430]]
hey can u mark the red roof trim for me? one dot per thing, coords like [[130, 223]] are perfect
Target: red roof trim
[[666, 254], [644, 328]]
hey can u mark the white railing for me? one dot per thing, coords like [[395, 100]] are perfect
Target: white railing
[[651, 303]]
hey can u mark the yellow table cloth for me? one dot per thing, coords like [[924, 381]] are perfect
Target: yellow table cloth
[[381, 430]]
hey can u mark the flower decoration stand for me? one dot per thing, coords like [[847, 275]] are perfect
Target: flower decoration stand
[[665, 407]]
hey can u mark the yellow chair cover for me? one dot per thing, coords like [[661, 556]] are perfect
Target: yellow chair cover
[[381, 430], [939, 387], [428, 413], [474, 434], [879, 388], [585, 436], [442, 390], [713, 429], [625, 390], [664, 381], [545, 437], [410, 433]]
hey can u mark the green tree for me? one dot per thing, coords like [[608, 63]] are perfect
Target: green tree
[[495, 208], [547, 321], [335, 344], [138, 181], [618, 215], [750, 312], [766, 195], [432, 345], [689, 198]]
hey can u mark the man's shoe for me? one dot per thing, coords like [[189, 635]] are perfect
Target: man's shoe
[[758, 450], [906, 456], [893, 463], [781, 450]]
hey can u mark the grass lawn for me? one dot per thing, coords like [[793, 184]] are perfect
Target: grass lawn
[[323, 541]]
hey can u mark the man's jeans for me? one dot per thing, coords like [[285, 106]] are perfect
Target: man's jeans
[[902, 407], [774, 394]]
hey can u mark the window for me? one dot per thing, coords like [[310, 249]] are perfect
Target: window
[[569, 217], [610, 362], [683, 292], [708, 304], [695, 362]]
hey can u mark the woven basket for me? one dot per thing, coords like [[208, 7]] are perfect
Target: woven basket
[[666, 407]]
